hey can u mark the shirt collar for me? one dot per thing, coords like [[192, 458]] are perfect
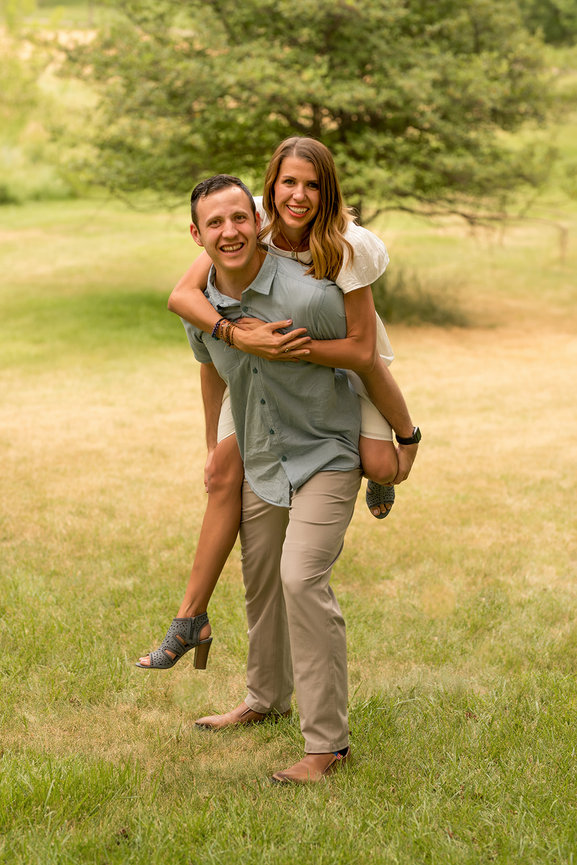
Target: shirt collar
[[262, 283], [264, 278]]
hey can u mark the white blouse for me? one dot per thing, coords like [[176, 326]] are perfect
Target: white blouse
[[370, 261]]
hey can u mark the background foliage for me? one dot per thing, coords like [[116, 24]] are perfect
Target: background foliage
[[556, 20], [435, 108], [416, 100]]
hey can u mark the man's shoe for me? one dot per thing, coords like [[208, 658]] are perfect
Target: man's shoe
[[312, 768], [241, 715]]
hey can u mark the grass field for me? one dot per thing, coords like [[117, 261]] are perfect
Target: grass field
[[460, 607]]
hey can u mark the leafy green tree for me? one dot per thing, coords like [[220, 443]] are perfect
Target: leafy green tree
[[415, 99], [555, 19]]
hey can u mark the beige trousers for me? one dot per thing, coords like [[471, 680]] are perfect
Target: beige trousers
[[295, 623]]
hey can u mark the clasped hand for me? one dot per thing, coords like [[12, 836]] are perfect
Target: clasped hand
[[406, 456], [265, 339]]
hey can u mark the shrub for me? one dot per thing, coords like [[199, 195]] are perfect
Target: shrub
[[400, 296]]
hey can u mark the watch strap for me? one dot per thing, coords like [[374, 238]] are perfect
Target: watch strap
[[414, 439]]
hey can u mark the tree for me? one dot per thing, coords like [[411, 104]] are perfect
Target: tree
[[556, 19], [415, 99]]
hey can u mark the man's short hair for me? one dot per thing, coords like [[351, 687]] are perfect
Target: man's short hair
[[215, 184]]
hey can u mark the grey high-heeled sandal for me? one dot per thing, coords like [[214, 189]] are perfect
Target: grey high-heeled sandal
[[189, 632], [377, 495]]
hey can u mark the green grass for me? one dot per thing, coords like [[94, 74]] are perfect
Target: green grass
[[88, 276], [460, 606], [453, 797]]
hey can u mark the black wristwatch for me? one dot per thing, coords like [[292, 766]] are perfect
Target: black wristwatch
[[411, 440]]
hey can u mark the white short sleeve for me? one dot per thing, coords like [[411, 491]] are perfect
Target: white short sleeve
[[260, 209], [370, 260]]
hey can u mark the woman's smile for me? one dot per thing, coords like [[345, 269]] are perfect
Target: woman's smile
[[297, 211]]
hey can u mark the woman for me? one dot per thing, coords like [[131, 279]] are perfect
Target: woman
[[304, 218]]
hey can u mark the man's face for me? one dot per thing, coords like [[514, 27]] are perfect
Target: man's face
[[227, 229]]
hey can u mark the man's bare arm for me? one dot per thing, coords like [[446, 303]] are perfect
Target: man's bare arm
[[212, 389]]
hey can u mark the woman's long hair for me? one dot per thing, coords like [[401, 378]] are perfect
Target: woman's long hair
[[326, 234]]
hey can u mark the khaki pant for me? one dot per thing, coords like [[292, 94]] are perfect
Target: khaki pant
[[295, 623]]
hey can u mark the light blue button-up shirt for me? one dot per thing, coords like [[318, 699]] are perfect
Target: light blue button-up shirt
[[292, 420]]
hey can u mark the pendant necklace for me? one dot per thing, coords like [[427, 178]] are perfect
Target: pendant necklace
[[294, 250]]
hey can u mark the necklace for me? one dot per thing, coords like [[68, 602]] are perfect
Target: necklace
[[294, 250]]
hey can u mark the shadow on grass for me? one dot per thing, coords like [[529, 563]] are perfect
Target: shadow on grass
[[92, 321]]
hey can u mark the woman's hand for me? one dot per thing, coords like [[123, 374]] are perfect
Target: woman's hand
[[264, 339], [406, 456]]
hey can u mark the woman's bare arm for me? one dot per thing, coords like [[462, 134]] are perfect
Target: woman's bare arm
[[358, 351], [188, 300]]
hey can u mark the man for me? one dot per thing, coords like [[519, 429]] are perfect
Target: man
[[297, 427]]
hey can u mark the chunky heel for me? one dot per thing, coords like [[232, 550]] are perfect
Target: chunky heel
[[182, 636], [201, 654]]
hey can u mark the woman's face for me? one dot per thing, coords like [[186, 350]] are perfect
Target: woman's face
[[296, 194]]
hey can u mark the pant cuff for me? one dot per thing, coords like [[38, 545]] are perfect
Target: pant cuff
[[325, 748], [253, 704]]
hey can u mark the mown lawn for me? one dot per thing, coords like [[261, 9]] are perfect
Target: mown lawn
[[460, 607]]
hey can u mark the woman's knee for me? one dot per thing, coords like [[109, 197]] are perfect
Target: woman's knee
[[379, 460], [226, 469]]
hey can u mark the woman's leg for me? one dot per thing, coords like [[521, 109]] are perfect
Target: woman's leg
[[378, 459], [378, 453], [219, 527], [380, 465], [217, 534]]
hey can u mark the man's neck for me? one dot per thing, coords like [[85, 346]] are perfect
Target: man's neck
[[233, 283]]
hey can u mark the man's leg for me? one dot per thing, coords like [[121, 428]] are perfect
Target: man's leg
[[319, 515], [269, 669]]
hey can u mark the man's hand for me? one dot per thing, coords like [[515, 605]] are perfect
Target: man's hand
[[265, 340], [406, 455]]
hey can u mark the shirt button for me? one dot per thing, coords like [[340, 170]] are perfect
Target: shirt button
[[244, 309], [254, 369], [271, 431], [283, 458], [263, 402]]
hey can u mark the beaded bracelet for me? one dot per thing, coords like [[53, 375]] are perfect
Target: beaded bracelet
[[214, 333]]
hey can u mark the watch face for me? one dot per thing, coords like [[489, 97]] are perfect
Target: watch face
[[411, 440]]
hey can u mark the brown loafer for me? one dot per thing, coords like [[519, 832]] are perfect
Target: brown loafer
[[241, 715], [312, 768]]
